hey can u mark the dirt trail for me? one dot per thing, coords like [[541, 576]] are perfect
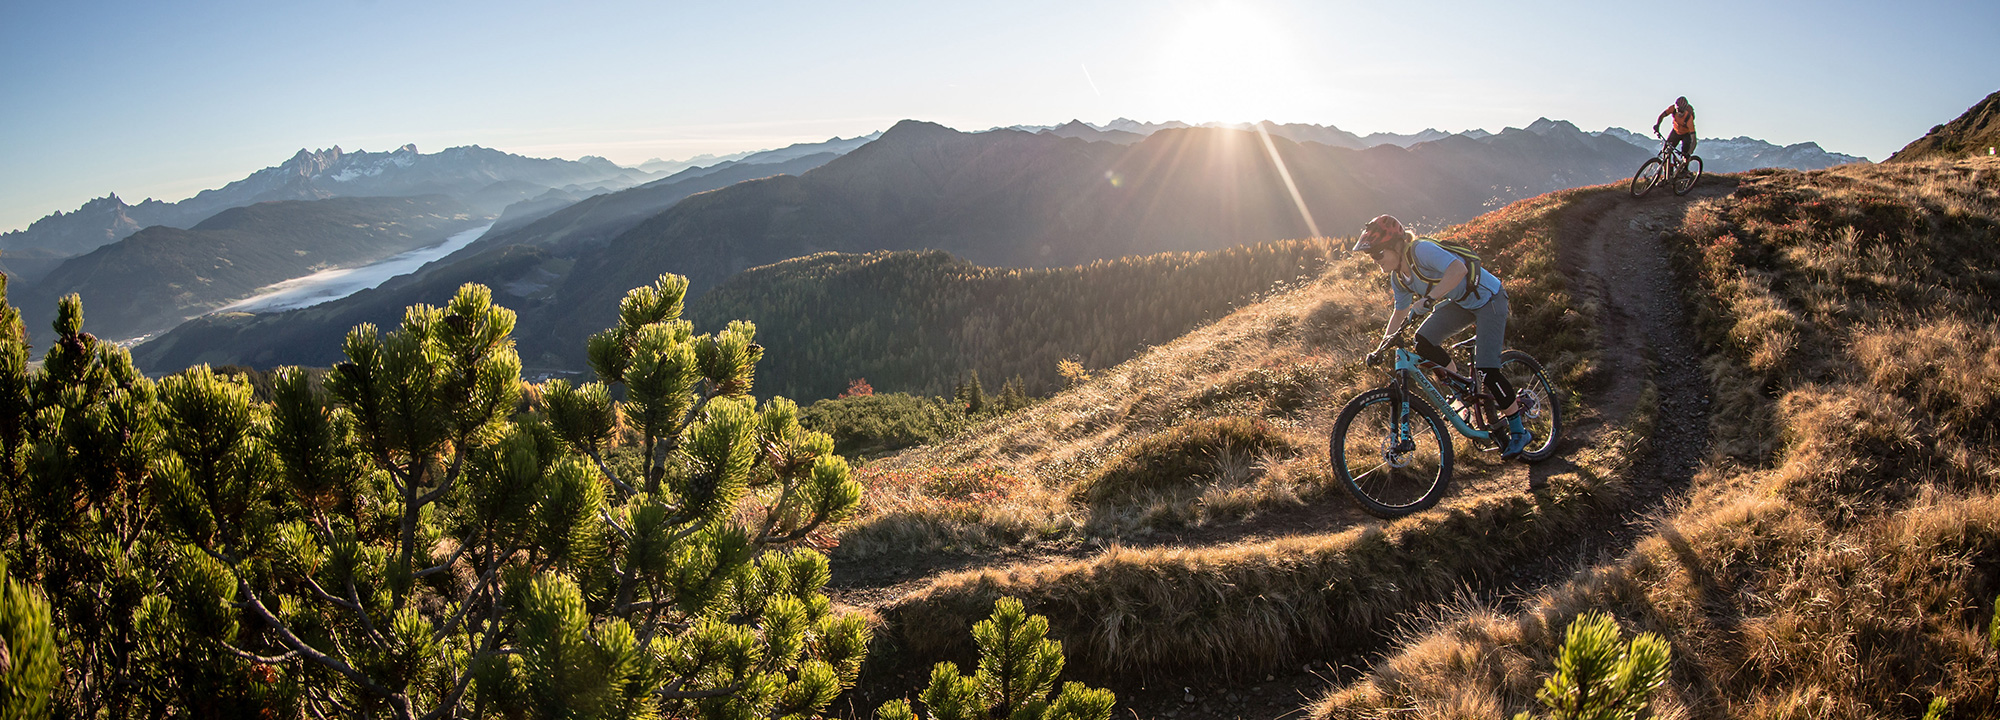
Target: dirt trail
[[1610, 246]]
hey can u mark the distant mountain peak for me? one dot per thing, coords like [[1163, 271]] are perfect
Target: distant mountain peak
[[916, 129], [1544, 126]]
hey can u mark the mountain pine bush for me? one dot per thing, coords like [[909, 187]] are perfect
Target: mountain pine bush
[[1599, 678], [395, 541], [28, 669], [1017, 671]]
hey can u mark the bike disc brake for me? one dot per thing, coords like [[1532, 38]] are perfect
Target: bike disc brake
[[1396, 454]]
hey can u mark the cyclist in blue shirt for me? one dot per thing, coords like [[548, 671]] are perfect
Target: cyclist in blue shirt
[[1424, 274]]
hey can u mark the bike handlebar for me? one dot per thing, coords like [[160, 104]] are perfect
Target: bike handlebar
[[1396, 338]]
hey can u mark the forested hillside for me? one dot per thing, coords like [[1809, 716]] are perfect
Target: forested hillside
[[159, 276], [921, 321]]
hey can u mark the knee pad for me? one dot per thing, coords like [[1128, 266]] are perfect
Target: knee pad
[[1498, 386], [1432, 351]]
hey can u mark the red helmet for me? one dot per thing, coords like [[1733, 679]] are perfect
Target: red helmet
[[1383, 231]]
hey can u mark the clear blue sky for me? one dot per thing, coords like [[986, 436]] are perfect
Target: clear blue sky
[[153, 99]]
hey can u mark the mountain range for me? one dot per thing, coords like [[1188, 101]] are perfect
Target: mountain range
[[161, 275], [1735, 154], [486, 179], [1002, 198], [1027, 197]]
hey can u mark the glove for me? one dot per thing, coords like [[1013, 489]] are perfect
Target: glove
[[1375, 357], [1422, 304]]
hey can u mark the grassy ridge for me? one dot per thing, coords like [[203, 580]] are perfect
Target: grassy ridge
[[1248, 607], [1840, 556]]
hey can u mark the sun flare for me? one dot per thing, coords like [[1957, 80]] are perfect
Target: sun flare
[[1229, 61]]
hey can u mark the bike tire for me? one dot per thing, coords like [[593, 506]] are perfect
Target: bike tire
[[1359, 449], [1689, 174], [1648, 176], [1544, 419]]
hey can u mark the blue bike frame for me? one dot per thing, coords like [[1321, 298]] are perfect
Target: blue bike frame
[[1407, 367]]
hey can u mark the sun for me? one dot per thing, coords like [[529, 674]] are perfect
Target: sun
[[1228, 60]]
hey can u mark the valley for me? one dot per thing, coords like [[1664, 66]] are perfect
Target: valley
[[330, 285]]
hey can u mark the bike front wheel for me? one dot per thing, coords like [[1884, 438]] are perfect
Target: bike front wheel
[[1392, 466], [1690, 172], [1648, 176], [1541, 404]]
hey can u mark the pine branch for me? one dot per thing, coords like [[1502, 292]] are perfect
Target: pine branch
[[604, 467], [260, 659], [291, 639]]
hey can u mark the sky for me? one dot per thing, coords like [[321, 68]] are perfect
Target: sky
[[162, 100]]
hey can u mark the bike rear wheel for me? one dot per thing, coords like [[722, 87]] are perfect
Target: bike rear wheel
[[1391, 471], [1690, 172], [1542, 405], [1648, 176]]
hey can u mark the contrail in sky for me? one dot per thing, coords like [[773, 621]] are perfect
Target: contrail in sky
[[1092, 81]]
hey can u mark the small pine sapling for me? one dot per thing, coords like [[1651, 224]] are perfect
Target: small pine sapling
[[1993, 626], [1018, 666], [1939, 709], [1599, 678]]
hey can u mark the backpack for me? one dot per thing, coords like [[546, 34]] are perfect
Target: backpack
[[1455, 247]]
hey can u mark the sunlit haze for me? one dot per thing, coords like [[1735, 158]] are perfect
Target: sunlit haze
[[163, 99]]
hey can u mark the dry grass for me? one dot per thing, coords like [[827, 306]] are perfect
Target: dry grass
[[1290, 360], [1250, 607], [1272, 362], [1254, 605], [1840, 561]]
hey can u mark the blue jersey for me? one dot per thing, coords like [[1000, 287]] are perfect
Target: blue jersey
[[1432, 260]]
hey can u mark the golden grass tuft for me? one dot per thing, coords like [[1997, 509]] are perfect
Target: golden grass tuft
[[1209, 452]]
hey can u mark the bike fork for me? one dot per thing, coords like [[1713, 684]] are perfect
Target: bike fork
[[1404, 442]]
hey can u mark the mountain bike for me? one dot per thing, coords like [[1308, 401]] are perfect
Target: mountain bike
[[1683, 169], [1392, 446]]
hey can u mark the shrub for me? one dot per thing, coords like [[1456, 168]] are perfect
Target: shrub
[[1018, 666], [877, 423], [1183, 456], [1599, 678], [28, 670], [394, 542]]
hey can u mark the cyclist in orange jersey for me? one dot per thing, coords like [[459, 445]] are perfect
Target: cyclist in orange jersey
[[1683, 133]]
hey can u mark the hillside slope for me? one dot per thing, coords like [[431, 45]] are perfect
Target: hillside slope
[[599, 218], [1839, 555], [1976, 132], [1793, 482]]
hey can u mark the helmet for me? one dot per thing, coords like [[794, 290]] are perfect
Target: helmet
[[1383, 231]]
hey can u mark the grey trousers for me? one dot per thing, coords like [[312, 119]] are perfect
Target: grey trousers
[[1449, 318]]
